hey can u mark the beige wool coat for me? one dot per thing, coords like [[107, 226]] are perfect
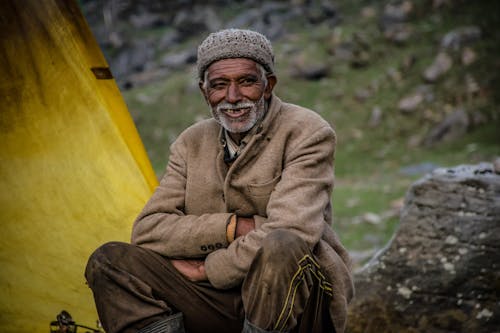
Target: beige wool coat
[[283, 178]]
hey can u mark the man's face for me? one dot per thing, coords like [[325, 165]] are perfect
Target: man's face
[[236, 91]]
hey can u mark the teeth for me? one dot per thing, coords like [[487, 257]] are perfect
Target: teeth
[[233, 110]]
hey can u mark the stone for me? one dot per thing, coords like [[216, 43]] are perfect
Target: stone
[[368, 12], [398, 33], [196, 20], [459, 37], [362, 94], [360, 59], [393, 21], [471, 85], [268, 18], [146, 19], [441, 65], [441, 270], [168, 40], [131, 58], [371, 218], [303, 69], [410, 103], [320, 11], [343, 50], [454, 126], [397, 12], [375, 117], [438, 4], [468, 56], [178, 60]]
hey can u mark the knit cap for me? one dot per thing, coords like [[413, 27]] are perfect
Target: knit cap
[[235, 43]]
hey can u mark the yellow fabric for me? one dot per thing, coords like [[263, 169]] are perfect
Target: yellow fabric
[[73, 170]]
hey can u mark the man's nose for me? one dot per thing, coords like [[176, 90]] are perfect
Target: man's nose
[[233, 94]]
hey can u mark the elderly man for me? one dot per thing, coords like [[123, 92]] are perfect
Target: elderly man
[[237, 236]]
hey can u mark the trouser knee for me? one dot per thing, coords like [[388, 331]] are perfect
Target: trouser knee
[[103, 257], [283, 245], [279, 251], [279, 269]]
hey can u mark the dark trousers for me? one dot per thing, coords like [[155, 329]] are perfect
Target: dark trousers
[[283, 291]]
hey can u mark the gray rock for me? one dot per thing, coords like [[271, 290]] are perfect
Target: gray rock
[[452, 127], [145, 19], [267, 19], [246, 19], [375, 117], [168, 40], [343, 50], [410, 103], [132, 58], [422, 94], [196, 20], [320, 11], [441, 65], [441, 270], [393, 21], [311, 71], [180, 59], [362, 94], [398, 33], [397, 12], [468, 56], [459, 37]]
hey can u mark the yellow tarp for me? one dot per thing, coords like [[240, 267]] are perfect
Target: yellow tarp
[[73, 171]]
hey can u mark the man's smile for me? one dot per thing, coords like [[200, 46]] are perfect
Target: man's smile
[[236, 112]]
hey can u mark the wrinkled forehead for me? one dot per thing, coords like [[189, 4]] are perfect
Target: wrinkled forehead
[[232, 68], [233, 64]]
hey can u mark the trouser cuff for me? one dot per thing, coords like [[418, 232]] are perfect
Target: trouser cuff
[[170, 324]]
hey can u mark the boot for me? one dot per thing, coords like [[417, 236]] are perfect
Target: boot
[[171, 324]]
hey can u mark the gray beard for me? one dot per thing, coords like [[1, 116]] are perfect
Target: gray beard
[[256, 113]]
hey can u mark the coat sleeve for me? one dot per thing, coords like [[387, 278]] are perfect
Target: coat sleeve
[[298, 203], [162, 225]]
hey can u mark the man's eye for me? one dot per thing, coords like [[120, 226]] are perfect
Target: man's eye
[[248, 81], [218, 85]]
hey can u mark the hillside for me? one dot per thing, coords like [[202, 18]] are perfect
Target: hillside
[[408, 85]]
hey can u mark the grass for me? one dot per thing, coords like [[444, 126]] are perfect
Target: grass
[[369, 158]]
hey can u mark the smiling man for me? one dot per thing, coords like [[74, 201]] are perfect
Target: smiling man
[[237, 237]]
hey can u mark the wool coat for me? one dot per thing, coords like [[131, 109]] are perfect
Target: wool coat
[[283, 178]]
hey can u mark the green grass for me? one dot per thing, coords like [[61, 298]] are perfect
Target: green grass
[[368, 159]]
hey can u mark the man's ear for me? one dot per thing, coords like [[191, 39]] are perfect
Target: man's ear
[[271, 82], [203, 92]]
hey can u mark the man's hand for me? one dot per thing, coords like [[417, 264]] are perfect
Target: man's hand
[[243, 226], [193, 270]]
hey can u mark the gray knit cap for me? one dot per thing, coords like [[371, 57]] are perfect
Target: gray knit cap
[[235, 43]]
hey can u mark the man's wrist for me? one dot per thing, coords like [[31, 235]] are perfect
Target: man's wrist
[[231, 228]]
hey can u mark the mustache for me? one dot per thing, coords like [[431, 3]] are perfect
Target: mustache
[[231, 106]]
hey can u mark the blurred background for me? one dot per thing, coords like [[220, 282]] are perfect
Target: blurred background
[[409, 86]]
